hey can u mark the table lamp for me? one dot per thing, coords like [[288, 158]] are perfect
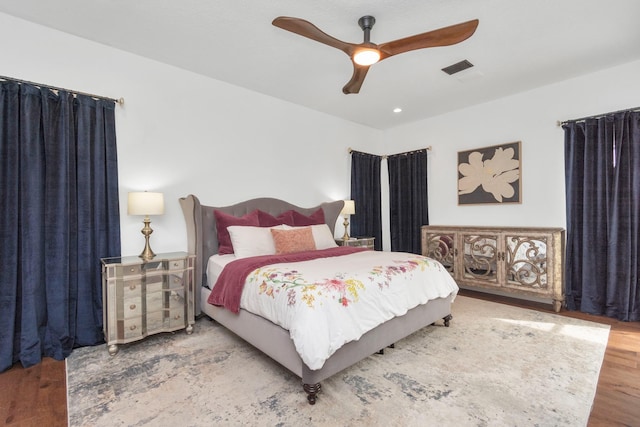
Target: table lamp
[[348, 209], [146, 203]]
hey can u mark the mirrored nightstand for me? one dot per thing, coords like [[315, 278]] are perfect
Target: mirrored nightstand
[[142, 298], [365, 242]]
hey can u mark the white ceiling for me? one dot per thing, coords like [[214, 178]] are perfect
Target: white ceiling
[[519, 45]]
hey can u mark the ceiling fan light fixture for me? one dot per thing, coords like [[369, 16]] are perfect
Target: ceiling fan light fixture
[[366, 56]]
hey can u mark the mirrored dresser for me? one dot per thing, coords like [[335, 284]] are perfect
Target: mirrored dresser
[[141, 297]]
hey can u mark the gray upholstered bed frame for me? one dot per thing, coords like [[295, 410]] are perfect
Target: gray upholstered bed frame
[[270, 338]]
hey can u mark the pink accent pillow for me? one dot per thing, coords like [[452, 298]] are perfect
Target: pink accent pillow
[[224, 220], [302, 220], [267, 220], [294, 240]]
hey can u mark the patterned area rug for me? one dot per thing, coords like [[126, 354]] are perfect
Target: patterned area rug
[[496, 365]]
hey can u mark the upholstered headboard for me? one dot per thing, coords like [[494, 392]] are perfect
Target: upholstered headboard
[[202, 238]]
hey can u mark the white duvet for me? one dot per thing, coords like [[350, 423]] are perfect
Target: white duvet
[[328, 302]]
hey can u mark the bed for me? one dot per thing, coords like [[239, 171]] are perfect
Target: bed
[[274, 340]]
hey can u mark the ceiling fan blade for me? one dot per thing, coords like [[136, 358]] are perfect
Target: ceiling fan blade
[[308, 30], [445, 36], [359, 73]]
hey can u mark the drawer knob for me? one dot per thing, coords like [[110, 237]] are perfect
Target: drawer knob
[[132, 307], [132, 287], [132, 327], [177, 316], [132, 269]]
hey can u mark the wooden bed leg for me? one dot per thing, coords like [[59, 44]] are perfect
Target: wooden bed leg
[[447, 319], [312, 392]]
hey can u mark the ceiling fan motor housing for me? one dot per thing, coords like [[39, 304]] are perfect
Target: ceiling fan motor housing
[[366, 23]]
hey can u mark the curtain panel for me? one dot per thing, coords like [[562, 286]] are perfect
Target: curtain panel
[[602, 176], [408, 205], [366, 193], [59, 215]]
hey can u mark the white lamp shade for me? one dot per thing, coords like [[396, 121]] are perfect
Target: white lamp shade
[[145, 203], [349, 207]]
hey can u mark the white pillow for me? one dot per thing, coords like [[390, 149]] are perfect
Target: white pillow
[[322, 236], [248, 241]]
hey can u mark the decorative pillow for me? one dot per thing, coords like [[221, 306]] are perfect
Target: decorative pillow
[[293, 240], [323, 237], [250, 241], [302, 220], [268, 220], [224, 220]]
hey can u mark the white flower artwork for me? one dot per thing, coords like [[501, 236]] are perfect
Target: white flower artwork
[[489, 175]]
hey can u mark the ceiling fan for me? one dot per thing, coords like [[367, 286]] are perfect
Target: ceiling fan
[[365, 54]]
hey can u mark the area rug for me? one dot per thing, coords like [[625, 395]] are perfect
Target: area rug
[[496, 365]]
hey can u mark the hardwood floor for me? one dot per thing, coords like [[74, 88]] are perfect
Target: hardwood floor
[[36, 396]]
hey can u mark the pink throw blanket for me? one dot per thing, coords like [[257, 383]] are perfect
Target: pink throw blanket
[[228, 288]]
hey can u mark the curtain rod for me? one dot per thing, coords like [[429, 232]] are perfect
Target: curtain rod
[[119, 101], [597, 116], [384, 156]]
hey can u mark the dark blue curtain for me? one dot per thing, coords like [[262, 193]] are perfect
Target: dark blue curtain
[[366, 193], [602, 168], [59, 215], [408, 205]]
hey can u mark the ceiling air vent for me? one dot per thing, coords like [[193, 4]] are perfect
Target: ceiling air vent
[[457, 67]]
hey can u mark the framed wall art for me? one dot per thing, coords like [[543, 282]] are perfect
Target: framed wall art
[[490, 175]]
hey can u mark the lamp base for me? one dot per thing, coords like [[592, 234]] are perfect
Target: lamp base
[[345, 237], [147, 254]]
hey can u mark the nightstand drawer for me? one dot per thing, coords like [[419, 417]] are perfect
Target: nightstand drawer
[[176, 317], [155, 283], [132, 307], [176, 281], [176, 264], [131, 328], [128, 270], [131, 289]]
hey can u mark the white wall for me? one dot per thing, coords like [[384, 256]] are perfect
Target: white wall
[[529, 117], [182, 133]]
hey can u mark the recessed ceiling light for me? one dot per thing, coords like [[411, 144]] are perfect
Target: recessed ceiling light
[[397, 110]]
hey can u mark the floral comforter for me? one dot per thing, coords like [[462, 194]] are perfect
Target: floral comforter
[[327, 302]]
